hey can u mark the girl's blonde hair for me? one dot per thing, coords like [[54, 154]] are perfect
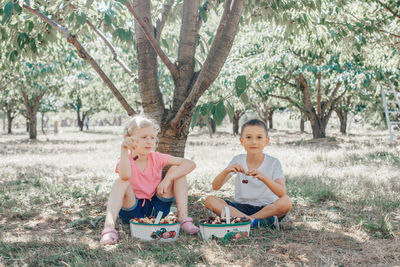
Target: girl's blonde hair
[[140, 121]]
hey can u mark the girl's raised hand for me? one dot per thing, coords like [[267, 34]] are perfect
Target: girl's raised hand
[[129, 143]]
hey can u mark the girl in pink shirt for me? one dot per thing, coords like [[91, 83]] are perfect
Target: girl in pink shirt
[[139, 191]]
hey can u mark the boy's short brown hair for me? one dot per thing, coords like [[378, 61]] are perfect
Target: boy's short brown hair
[[254, 122]]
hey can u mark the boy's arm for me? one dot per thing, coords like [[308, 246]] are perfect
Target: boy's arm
[[225, 175], [277, 186]]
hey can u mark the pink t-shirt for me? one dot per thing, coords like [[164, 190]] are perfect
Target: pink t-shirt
[[144, 183]]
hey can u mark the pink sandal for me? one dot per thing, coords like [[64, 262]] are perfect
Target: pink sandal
[[109, 236], [188, 226]]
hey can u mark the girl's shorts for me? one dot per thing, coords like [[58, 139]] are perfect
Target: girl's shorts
[[149, 208]]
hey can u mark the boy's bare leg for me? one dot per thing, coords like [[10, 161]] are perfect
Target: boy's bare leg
[[121, 196], [217, 204], [279, 208]]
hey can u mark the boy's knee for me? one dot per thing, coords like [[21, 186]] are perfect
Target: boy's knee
[[209, 201], [286, 204]]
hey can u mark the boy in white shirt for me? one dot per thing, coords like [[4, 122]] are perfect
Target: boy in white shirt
[[260, 190]]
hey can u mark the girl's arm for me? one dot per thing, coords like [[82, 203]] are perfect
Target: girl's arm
[[225, 175], [184, 166], [124, 168]]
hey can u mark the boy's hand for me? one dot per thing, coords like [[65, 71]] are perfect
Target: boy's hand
[[129, 143], [257, 174], [235, 168], [163, 186]]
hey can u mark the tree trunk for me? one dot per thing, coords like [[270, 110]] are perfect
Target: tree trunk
[[342, 115], [42, 122], [4, 122], [32, 125], [235, 125], [235, 121], [81, 121], [318, 128], [9, 120], [301, 125], [270, 118], [27, 125], [213, 125], [172, 144]]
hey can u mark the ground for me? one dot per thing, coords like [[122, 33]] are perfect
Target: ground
[[346, 193]]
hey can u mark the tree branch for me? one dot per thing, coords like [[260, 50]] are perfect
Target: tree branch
[[328, 104], [85, 55], [291, 101], [319, 96], [306, 95], [215, 60], [164, 15], [108, 44], [285, 81], [153, 42], [390, 10], [10, 81]]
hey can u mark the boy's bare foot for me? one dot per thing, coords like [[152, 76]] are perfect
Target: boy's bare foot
[[109, 236]]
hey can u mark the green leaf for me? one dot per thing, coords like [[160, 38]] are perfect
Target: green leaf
[[203, 110], [81, 18], [122, 1], [266, 76], [13, 55], [32, 44], [30, 25], [107, 19], [195, 116], [8, 10], [245, 99], [230, 110], [164, 42], [240, 84], [203, 14], [220, 112]]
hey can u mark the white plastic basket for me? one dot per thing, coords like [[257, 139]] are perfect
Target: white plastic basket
[[226, 231], [156, 231]]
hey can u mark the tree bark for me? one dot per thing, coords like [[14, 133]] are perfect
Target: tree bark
[[342, 115], [81, 121], [270, 118], [31, 107], [235, 121], [301, 125], [150, 93], [9, 121]]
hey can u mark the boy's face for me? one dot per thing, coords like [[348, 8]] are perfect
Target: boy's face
[[254, 139], [145, 140]]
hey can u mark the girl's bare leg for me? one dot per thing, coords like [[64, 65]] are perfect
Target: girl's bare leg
[[121, 196]]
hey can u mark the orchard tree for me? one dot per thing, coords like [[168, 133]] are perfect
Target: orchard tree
[[64, 19]]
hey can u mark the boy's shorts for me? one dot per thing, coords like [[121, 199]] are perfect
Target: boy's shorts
[[247, 208], [150, 208]]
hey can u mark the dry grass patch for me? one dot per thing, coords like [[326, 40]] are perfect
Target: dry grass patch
[[346, 193]]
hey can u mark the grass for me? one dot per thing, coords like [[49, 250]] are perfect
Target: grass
[[346, 193]]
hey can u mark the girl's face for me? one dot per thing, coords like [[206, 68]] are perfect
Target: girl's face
[[145, 140], [254, 139]]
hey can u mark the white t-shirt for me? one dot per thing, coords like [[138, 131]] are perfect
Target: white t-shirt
[[255, 192]]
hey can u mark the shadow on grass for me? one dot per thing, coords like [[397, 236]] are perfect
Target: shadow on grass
[[294, 245]]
